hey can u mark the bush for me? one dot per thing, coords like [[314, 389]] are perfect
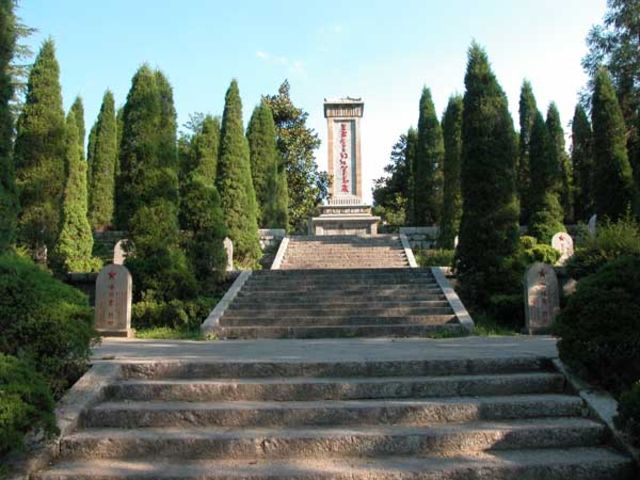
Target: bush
[[44, 321], [25, 403], [435, 258], [547, 220], [628, 418], [599, 329], [177, 314], [612, 240]]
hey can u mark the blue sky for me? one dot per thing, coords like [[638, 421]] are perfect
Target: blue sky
[[382, 51]]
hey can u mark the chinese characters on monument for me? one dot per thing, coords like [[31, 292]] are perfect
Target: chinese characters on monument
[[542, 297], [344, 156], [113, 301]]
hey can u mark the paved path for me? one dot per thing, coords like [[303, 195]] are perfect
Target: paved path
[[124, 350]]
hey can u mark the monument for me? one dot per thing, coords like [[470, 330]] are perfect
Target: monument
[[563, 243], [542, 297], [345, 213], [113, 302]]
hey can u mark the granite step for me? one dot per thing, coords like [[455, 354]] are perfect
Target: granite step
[[339, 413], [310, 296], [350, 302], [330, 319], [344, 287], [305, 388], [321, 442], [360, 312], [537, 464]]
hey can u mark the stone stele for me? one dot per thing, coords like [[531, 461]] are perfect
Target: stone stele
[[592, 225], [119, 253], [113, 302], [542, 297], [563, 243], [228, 247]]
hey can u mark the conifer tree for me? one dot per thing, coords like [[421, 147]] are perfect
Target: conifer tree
[[205, 143], [410, 160], [613, 188], [546, 213], [489, 225], [90, 154], [78, 112], [73, 250], [261, 135], [103, 155], [565, 172], [39, 156], [279, 216], [582, 159], [428, 164], [8, 194], [528, 110], [234, 182], [451, 197]]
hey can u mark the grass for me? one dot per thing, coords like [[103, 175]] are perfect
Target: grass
[[489, 327], [168, 333]]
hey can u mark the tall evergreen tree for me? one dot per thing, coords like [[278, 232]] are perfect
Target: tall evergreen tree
[[91, 141], [167, 133], [489, 225], [613, 188], [428, 163], [528, 109], [582, 159], [8, 194], [565, 171], [410, 161], [73, 250], [546, 213], [234, 181], [104, 156], [39, 156], [296, 145], [78, 112], [204, 148], [390, 192], [279, 215], [451, 197], [261, 135]]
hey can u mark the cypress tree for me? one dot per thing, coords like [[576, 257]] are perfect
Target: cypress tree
[[8, 194], [410, 160], [489, 224], [204, 148], [73, 250], [546, 212], [279, 216], [561, 159], [582, 159], [261, 135], [613, 188], [428, 163], [39, 156], [234, 181], [78, 112], [527, 111], [103, 165], [119, 129], [91, 141], [451, 197]]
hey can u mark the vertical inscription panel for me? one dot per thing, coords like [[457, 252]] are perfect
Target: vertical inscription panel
[[542, 297], [344, 147], [113, 301]]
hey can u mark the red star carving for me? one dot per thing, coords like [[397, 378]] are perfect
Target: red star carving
[[112, 274], [542, 273]]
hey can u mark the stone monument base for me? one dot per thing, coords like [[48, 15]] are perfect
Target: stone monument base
[[116, 333], [347, 216]]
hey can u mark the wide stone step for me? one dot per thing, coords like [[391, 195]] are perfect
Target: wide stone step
[[344, 289], [541, 464], [327, 263], [236, 320], [368, 368], [357, 271], [359, 312], [257, 297], [340, 331], [152, 414], [363, 441], [304, 388], [352, 302]]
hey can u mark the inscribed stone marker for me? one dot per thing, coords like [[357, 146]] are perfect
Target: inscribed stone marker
[[113, 301], [563, 243], [542, 297], [228, 246], [592, 225], [119, 253]]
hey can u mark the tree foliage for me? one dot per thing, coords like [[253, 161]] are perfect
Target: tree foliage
[[234, 182], [489, 225], [296, 145], [427, 168], [561, 159], [613, 188], [103, 156], [582, 159], [528, 109], [78, 112], [73, 249], [8, 193], [451, 196], [391, 192], [39, 156]]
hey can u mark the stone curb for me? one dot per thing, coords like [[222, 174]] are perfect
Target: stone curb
[[408, 252], [454, 301], [212, 322], [86, 392], [601, 405], [282, 249]]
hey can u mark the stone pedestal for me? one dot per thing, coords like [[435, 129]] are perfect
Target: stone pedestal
[[344, 215]]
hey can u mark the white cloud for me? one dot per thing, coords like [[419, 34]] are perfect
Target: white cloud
[[295, 67]]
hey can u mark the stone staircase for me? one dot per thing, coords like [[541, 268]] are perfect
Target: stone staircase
[[465, 419], [374, 302], [344, 251]]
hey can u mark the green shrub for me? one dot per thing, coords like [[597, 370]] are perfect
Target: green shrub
[[435, 258], [612, 240], [547, 220], [599, 329], [44, 321], [176, 314], [25, 403], [628, 418]]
